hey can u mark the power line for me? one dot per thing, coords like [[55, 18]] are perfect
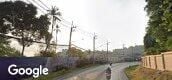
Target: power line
[[36, 6], [65, 21], [101, 45], [44, 4], [78, 47], [60, 22], [39, 5], [86, 32], [30, 3], [69, 23]]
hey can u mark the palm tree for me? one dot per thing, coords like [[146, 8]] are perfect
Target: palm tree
[[55, 13]]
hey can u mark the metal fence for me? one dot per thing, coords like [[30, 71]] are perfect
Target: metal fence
[[54, 63]]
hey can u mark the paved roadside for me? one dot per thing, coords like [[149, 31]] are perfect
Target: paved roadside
[[77, 72], [98, 73]]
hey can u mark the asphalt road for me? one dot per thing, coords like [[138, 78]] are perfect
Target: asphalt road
[[98, 73]]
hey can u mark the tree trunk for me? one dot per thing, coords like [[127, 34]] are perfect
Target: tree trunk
[[47, 42], [23, 43], [56, 40], [23, 49], [46, 48], [52, 25]]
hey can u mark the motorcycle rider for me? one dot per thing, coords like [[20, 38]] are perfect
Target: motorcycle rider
[[108, 72]]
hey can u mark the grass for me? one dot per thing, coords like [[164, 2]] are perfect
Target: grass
[[141, 73], [130, 70]]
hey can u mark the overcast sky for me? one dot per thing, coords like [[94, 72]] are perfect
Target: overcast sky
[[118, 21]]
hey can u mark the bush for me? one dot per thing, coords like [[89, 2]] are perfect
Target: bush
[[6, 50], [83, 62], [169, 43], [152, 51], [47, 53]]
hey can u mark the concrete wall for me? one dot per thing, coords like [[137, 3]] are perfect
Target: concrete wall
[[168, 61], [159, 62], [152, 60]]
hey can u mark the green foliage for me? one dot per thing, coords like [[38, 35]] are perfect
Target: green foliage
[[169, 43], [19, 19], [149, 41], [47, 53], [159, 30], [83, 62], [6, 50], [76, 52]]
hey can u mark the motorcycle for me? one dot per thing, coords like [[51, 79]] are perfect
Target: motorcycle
[[108, 73]]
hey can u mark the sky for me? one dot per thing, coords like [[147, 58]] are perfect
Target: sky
[[117, 21]]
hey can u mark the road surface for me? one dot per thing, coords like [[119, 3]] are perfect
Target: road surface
[[98, 73]]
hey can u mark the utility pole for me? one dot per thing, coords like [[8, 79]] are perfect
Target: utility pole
[[56, 37], [132, 53], [54, 12], [123, 46], [107, 50], [94, 43], [123, 51], [70, 38], [107, 47]]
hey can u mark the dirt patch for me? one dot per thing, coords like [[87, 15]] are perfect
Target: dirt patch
[[141, 73]]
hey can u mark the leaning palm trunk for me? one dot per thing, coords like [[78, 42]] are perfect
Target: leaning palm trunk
[[47, 40], [23, 44]]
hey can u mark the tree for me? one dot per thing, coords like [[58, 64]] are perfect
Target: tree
[[149, 41], [21, 21], [43, 24], [77, 52], [54, 12], [6, 50], [159, 24]]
